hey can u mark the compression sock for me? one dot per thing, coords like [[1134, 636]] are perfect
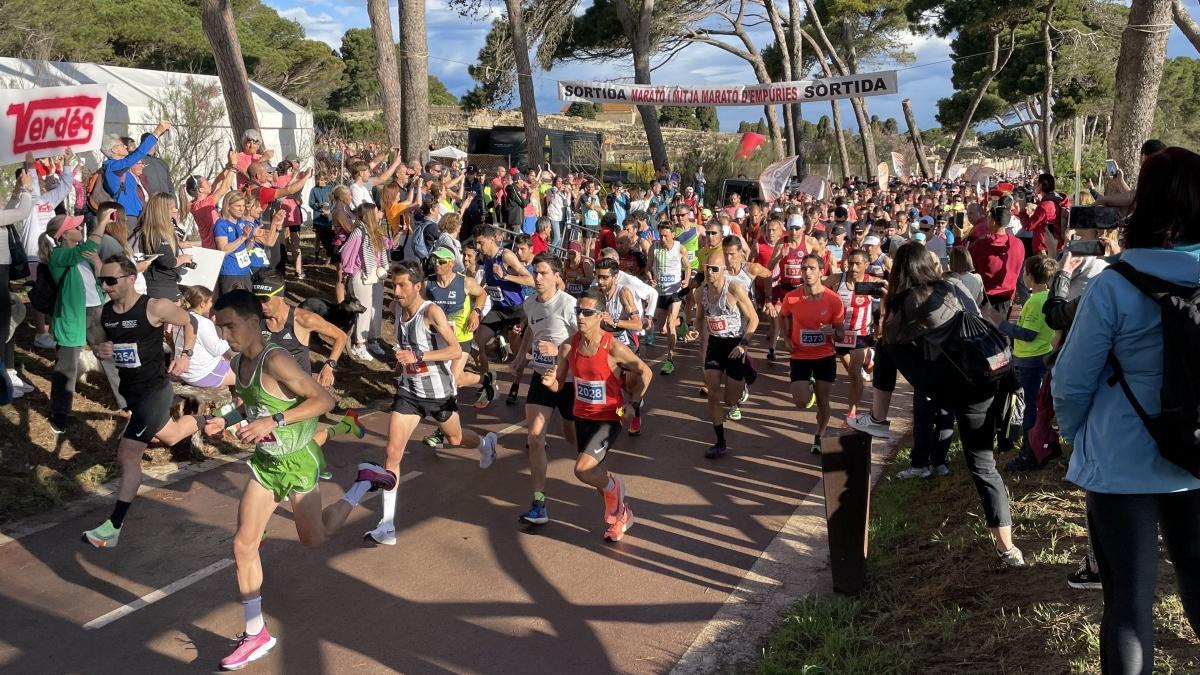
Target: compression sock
[[254, 618], [389, 509], [539, 496], [118, 514], [347, 425], [637, 409], [515, 389], [608, 487], [720, 429], [354, 493]]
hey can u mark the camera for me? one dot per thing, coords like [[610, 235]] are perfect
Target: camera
[[868, 288], [1095, 217], [189, 265]]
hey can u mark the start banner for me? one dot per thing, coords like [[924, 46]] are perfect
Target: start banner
[[48, 120], [804, 91]]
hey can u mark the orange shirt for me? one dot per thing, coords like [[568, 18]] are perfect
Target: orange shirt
[[808, 316]]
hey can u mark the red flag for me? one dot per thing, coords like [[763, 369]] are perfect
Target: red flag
[[749, 143]]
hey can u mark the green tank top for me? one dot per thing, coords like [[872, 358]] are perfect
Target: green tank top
[[261, 403]]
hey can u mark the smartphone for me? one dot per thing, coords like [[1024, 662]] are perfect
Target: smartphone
[[868, 287], [1098, 217], [1086, 247], [1111, 167]]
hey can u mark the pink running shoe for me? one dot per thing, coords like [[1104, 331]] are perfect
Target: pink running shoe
[[250, 648], [377, 476], [614, 499], [617, 530]]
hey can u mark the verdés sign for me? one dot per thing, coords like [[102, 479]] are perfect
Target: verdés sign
[[48, 120], [804, 91]]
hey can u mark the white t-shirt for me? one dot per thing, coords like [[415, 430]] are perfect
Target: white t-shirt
[[553, 320], [646, 294], [360, 194], [208, 351]]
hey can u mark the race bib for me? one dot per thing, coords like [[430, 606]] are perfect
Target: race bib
[[538, 359], [812, 337], [591, 392], [125, 355], [242, 258], [575, 289], [495, 293], [416, 369], [793, 270], [270, 442], [716, 325], [667, 279], [849, 339]]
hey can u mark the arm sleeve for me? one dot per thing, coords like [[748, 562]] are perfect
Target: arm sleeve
[[1079, 370], [66, 184]]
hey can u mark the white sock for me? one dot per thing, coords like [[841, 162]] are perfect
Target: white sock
[[389, 510], [354, 493], [254, 618]]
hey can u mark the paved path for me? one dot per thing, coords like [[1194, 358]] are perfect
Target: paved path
[[467, 588]]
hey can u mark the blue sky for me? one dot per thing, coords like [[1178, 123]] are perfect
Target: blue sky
[[454, 43]]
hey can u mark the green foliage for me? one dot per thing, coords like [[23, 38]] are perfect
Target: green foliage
[[1177, 117], [583, 109], [439, 94], [759, 127], [361, 87], [703, 118], [1005, 140]]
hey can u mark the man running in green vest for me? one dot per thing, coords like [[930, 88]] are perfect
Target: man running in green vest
[[282, 405]]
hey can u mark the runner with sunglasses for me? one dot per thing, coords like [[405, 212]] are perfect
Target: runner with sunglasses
[[623, 318], [133, 338], [596, 361], [729, 316]]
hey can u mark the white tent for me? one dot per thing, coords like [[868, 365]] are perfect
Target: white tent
[[448, 152], [137, 97]]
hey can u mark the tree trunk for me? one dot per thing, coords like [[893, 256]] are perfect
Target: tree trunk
[[217, 20], [639, 31], [797, 53], [865, 132], [1047, 138], [1139, 74], [914, 132], [843, 152], [994, 69], [386, 70], [414, 74], [1187, 25], [773, 129], [520, 47], [789, 136]]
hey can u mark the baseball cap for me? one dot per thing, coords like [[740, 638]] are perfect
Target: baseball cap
[[251, 135], [920, 237], [68, 223], [471, 168], [871, 241], [706, 213], [443, 253], [942, 218], [512, 171], [795, 222], [838, 229], [267, 287], [927, 220]]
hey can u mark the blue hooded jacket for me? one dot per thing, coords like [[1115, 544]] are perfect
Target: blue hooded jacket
[[1112, 450], [120, 182]]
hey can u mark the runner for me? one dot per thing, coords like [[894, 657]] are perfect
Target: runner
[[729, 316], [859, 328], [426, 349], [463, 301], [578, 271], [878, 263], [645, 294], [812, 316], [671, 273], [550, 316], [282, 404], [595, 360], [133, 337], [787, 262], [504, 276], [623, 318], [743, 274], [292, 327]]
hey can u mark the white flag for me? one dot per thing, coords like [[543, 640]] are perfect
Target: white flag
[[813, 185], [955, 171], [881, 174], [774, 179], [898, 165]]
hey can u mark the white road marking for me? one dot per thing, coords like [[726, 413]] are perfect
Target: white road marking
[[155, 596]]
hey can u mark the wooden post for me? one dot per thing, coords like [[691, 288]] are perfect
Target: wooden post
[[914, 132], [217, 20], [846, 480]]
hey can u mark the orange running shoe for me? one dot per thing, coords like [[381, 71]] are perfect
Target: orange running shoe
[[614, 500], [617, 530]]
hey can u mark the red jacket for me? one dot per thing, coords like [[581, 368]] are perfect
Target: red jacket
[[998, 259], [1044, 220]]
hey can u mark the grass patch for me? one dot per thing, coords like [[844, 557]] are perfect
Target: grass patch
[[938, 601]]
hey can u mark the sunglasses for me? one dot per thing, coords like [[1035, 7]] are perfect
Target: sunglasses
[[713, 233], [110, 281], [586, 311], [713, 268]]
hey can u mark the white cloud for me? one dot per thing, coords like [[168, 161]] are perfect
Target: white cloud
[[321, 26]]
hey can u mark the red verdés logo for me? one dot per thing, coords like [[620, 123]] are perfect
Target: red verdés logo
[[53, 122]]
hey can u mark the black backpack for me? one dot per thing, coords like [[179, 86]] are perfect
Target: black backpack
[[1176, 430], [44, 292]]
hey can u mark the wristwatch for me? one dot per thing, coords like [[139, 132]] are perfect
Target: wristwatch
[[278, 417], [186, 352], [418, 354], [331, 364]]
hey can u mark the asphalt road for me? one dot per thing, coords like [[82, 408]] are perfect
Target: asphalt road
[[467, 588]]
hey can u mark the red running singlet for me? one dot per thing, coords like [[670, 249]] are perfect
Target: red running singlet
[[597, 388]]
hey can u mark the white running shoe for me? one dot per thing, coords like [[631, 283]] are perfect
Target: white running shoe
[[360, 353], [487, 451], [45, 341], [383, 534], [18, 383], [864, 423], [914, 472]]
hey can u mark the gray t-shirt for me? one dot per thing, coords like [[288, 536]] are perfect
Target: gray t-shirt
[[553, 320]]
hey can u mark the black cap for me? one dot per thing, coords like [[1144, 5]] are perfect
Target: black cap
[[471, 168]]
